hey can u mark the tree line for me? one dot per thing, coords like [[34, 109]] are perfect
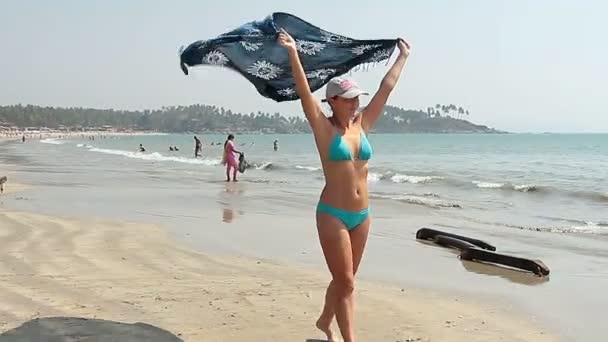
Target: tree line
[[200, 118]]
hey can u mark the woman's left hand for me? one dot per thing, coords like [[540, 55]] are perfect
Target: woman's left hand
[[404, 47]]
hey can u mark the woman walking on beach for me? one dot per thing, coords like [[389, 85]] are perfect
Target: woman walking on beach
[[342, 212], [230, 158]]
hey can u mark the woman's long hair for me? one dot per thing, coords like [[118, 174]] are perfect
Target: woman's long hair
[[230, 137]]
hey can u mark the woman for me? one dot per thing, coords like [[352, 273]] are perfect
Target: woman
[[230, 158], [342, 213]]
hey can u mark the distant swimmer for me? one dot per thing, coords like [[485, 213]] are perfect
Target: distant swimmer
[[276, 144], [198, 146], [141, 148], [171, 148], [175, 148]]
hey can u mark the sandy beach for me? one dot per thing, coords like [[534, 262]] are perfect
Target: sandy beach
[[128, 272], [157, 247]]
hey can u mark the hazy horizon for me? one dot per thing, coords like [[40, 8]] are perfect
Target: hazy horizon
[[516, 66]]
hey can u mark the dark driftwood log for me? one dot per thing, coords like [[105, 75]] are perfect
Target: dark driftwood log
[[447, 241], [535, 266], [430, 234], [470, 251]]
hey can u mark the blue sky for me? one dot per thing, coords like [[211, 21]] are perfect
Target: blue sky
[[516, 65]]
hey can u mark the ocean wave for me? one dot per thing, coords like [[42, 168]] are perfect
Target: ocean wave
[[592, 195], [587, 228], [542, 189], [597, 224], [507, 186], [562, 226], [273, 166], [400, 178], [428, 200], [308, 168], [575, 222], [52, 141], [371, 176], [487, 185], [374, 177], [382, 176], [155, 156], [526, 188], [266, 166]]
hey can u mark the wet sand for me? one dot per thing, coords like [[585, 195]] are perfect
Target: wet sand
[[131, 272], [12, 187]]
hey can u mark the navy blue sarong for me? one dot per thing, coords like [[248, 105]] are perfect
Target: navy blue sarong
[[252, 50]]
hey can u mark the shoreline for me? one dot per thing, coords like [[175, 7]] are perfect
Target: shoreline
[[38, 136], [138, 273], [11, 187]]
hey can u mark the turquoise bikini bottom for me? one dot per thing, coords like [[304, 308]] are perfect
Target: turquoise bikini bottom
[[351, 219]]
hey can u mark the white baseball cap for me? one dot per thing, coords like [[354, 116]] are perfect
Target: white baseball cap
[[342, 87]]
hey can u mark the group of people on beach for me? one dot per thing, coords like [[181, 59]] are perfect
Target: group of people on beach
[[231, 157]]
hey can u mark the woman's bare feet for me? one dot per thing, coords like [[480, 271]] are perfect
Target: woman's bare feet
[[326, 329]]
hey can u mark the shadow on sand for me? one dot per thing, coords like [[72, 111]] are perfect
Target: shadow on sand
[[508, 273], [72, 329]]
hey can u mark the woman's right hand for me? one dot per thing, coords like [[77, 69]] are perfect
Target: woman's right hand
[[285, 40], [310, 104]]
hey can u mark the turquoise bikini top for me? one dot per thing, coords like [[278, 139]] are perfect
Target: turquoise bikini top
[[339, 149]]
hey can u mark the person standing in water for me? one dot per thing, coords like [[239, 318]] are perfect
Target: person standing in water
[[342, 215], [3, 180], [276, 144], [197, 147], [230, 159]]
